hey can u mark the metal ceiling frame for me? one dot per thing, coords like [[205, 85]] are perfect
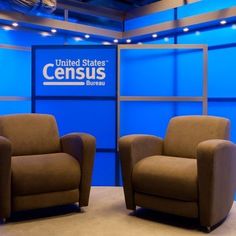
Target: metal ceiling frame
[[157, 7], [86, 9], [201, 19], [65, 26]]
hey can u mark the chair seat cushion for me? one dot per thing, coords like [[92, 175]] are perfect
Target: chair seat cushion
[[44, 173], [166, 176]]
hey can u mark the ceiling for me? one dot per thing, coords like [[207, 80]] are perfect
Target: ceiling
[[121, 5], [99, 13]]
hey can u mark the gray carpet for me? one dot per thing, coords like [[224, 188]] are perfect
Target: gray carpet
[[107, 216]]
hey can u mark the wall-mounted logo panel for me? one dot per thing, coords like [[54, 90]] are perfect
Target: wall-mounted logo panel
[[74, 70]]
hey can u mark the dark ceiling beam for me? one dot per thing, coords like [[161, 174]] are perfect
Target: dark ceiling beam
[[87, 9], [37, 22], [201, 19], [157, 7]]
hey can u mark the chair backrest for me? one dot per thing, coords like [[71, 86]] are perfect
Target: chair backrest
[[30, 133], [184, 133]]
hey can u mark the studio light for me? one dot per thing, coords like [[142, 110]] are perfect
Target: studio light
[[15, 24]]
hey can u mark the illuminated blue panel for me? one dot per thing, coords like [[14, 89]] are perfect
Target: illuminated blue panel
[[189, 71], [104, 170], [145, 117], [222, 71], [219, 36], [221, 81], [203, 7], [28, 38], [148, 20], [147, 72], [161, 72], [88, 60], [13, 107], [89, 116], [188, 108], [153, 117], [225, 109], [15, 67]]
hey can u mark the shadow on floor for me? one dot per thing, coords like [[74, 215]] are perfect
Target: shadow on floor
[[168, 219], [37, 214]]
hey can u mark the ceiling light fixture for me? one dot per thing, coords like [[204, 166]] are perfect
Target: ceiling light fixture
[[128, 40], [106, 43], [185, 29], [116, 41], [154, 35], [45, 34], [139, 43], [7, 28], [223, 22], [87, 36], [15, 24], [77, 39], [53, 31]]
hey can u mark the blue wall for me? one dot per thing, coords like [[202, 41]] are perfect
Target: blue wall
[[15, 80], [146, 74]]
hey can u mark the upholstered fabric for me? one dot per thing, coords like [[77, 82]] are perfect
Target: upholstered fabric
[[171, 206], [216, 160], [39, 169], [82, 147], [30, 134], [28, 202], [5, 177], [184, 133], [44, 173], [133, 148], [164, 176], [191, 173]]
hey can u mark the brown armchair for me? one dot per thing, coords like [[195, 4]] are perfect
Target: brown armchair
[[38, 168], [191, 173]]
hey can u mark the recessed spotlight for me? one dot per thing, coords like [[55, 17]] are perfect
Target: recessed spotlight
[[223, 22], [77, 39], [154, 35], [128, 40], [15, 24], [7, 28], [106, 43], [139, 43], [166, 39], [234, 26], [53, 31], [87, 36], [185, 29], [45, 34], [197, 33], [116, 41]]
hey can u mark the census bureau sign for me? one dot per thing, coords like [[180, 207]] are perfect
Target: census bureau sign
[[74, 70], [80, 72]]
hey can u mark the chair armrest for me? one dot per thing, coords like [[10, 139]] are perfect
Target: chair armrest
[[5, 177], [216, 162], [82, 147], [133, 148]]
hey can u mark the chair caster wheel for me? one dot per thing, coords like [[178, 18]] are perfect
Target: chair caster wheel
[[3, 221], [208, 229]]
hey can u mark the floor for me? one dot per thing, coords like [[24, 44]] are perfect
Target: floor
[[107, 216]]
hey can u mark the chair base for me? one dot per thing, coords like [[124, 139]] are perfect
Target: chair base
[[207, 229]]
